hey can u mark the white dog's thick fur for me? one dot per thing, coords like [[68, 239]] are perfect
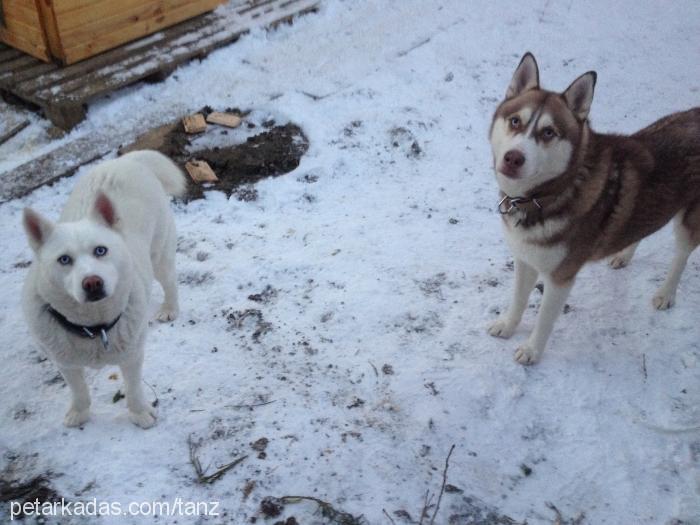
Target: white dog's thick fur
[[96, 264]]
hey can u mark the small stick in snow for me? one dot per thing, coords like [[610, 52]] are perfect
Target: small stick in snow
[[444, 482], [559, 520], [202, 476], [390, 518], [551, 506], [154, 403], [251, 407], [427, 503], [194, 123], [376, 373], [327, 510], [644, 366]]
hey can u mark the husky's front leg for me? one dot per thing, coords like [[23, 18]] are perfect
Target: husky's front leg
[[525, 277], [552, 303], [140, 412], [79, 411]]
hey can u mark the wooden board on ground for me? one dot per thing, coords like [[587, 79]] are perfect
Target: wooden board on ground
[[11, 122], [62, 162], [63, 92], [21, 27]]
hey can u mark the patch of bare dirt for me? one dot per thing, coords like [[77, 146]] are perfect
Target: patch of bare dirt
[[276, 150]]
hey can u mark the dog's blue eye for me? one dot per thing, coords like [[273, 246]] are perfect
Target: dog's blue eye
[[100, 251], [65, 259], [548, 133], [515, 122]]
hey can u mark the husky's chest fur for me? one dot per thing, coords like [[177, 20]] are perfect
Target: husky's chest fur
[[534, 244]]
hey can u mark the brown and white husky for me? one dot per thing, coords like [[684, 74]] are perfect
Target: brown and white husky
[[569, 195]]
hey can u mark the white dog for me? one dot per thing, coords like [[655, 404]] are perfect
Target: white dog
[[87, 293]]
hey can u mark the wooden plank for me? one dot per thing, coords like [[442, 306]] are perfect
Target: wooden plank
[[62, 162], [103, 14], [18, 64], [222, 31], [12, 121], [8, 53], [22, 28], [7, 132], [110, 57], [63, 92], [49, 25], [136, 66], [30, 70], [24, 41], [92, 40]]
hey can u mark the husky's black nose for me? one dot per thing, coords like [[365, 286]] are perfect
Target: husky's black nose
[[94, 288], [513, 159]]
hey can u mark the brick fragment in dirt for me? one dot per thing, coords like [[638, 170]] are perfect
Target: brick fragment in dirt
[[275, 151]]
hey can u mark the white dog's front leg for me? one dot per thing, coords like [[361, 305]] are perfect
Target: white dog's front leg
[[552, 303], [140, 412], [79, 411], [525, 277]]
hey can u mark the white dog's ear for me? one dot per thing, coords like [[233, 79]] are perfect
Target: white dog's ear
[[579, 94], [104, 210], [526, 76], [37, 227]]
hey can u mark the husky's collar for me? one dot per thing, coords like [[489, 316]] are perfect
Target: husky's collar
[[532, 208], [88, 332], [536, 205], [525, 204]]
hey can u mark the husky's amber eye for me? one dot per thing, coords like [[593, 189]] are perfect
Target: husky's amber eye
[[548, 133], [100, 251], [64, 260], [515, 122]]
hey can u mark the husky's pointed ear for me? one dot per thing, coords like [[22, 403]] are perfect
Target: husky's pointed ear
[[526, 76], [579, 94], [38, 228], [104, 210]]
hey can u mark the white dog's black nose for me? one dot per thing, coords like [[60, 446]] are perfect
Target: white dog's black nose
[[94, 288]]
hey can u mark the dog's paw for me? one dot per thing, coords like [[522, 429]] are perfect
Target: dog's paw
[[527, 355], [619, 261], [167, 313], [75, 418], [663, 300], [501, 328], [143, 419]]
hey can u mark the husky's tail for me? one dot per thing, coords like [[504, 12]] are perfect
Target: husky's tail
[[166, 171]]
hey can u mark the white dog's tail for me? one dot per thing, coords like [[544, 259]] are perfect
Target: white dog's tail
[[166, 171]]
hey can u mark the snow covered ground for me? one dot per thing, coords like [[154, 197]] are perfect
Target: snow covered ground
[[380, 262]]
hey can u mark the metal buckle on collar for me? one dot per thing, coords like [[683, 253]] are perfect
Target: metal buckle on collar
[[504, 208], [103, 336]]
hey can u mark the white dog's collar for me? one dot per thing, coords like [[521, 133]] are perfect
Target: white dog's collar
[[88, 332]]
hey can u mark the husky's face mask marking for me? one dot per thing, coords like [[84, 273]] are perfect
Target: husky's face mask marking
[[534, 132]]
